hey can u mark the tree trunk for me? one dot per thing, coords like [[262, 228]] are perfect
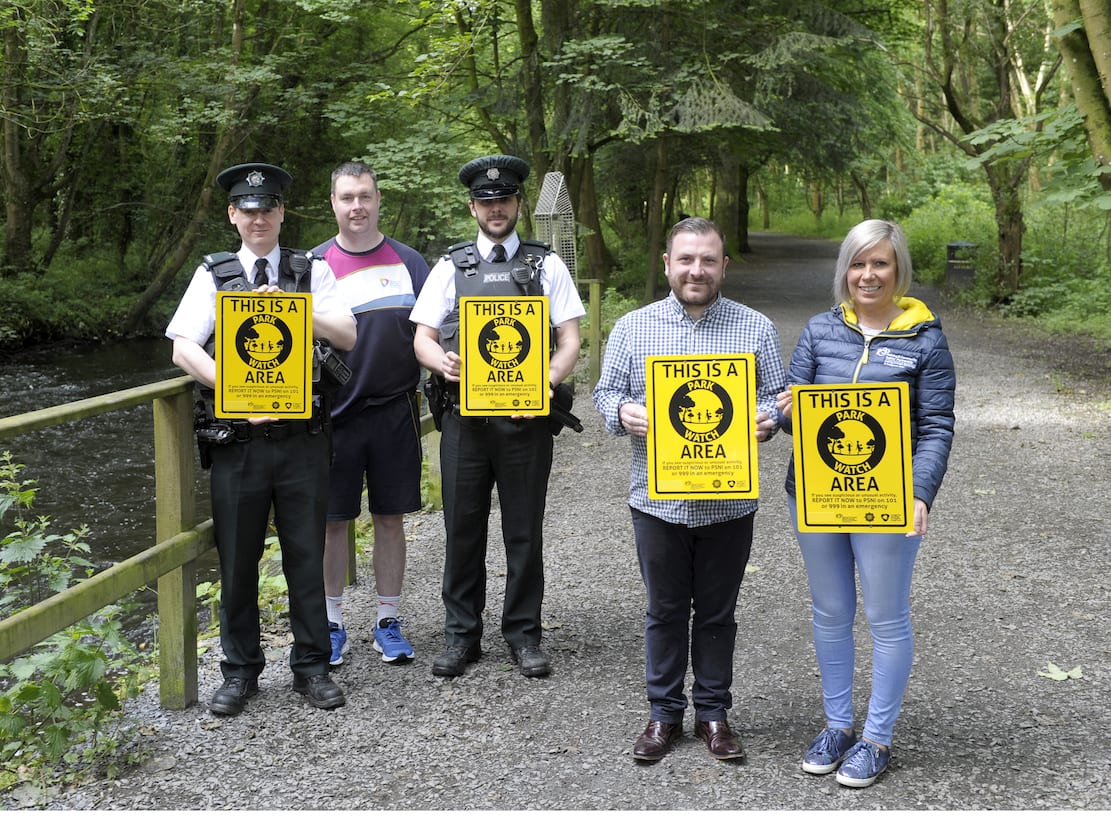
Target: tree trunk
[[655, 221], [533, 88], [228, 136], [725, 200], [599, 262], [862, 191], [1087, 52], [1011, 223], [742, 209], [19, 201], [816, 199], [30, 163]]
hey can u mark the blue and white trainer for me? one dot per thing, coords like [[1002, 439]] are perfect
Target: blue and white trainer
[[390, 643], [827, 751], [338, 636], [863, 765]]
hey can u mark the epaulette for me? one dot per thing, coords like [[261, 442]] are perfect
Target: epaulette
[[227, 272], [464, 257], [542, 246]]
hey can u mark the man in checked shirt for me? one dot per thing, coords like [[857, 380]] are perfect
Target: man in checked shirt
[[692, 553]]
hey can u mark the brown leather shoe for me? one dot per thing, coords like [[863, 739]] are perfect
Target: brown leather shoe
[[720, 739], [657, 738]]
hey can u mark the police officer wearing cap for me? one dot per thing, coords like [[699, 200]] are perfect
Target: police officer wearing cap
[[266, 461], [477, 453]]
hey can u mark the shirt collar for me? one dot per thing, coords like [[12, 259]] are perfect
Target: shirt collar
[[247, 259], [485, 246], [680, 312]]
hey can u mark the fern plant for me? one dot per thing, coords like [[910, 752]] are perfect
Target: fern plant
[[60, 702]]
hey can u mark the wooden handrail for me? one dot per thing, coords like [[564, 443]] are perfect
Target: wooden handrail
[[180, 541], [90, 407], [172, 561]]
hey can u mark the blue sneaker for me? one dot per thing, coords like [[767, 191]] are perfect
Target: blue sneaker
[[390, 643], [339, 643], [863, 764], [825, 753]]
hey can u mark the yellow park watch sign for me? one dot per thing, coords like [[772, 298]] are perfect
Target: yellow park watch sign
[[504, 343], [853, 457], [263, 355], [702, 427]]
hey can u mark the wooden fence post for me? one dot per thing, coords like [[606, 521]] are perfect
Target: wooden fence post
[[175, 511]]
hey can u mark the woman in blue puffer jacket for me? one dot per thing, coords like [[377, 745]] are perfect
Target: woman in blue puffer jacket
[[875, 334]]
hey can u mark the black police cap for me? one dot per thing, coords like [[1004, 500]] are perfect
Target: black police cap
[[494, 177], [254, 186]]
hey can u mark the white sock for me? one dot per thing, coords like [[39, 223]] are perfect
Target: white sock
[[387, 607], [335, 609]]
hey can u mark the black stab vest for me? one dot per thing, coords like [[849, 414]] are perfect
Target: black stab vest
[[475, 277]]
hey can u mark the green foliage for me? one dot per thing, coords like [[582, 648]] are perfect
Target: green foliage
[[431, 490], [273, 592], [802, 222], [1056, 138], [35, 563], [59, 703], [923, 180], [1069, 300], [1067, 269], [614, 305], [956, 213], [39, 308]]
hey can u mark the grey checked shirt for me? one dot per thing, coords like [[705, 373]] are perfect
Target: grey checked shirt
[[664, 328]]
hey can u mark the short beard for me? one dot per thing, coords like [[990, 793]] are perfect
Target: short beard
[[510, 227]]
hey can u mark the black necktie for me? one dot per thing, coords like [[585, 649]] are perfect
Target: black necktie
[[260, 272], [499, 253]]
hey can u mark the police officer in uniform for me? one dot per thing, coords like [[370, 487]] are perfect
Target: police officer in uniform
[[477, 453], [264, 461]]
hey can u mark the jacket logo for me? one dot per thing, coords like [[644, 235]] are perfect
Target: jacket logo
[[890, 358], [491, 277]]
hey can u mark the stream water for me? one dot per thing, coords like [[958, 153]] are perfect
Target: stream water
[[97, 472]]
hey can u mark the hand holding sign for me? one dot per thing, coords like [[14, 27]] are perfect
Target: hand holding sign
[[852, 457], [701, 427], [264, 355]]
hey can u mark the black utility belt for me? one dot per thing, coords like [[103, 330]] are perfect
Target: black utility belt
[[276, 430], [224, 432], [491, 418]]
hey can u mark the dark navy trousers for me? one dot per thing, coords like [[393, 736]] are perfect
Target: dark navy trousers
[[290, 474], [476, 454], [690, 570]]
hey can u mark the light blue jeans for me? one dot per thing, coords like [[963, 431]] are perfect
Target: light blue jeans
[[885, 563]]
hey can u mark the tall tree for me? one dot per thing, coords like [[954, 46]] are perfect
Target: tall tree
[[988, 61], [1084, 34], [52, 84]]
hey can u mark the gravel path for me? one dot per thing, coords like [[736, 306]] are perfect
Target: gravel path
[[1014, 574]]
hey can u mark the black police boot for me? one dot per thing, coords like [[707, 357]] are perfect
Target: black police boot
[[232, 696], [454, 660], [531, 661], [320, 690]]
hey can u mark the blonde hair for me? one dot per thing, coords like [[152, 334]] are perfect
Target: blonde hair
[[865, 236]]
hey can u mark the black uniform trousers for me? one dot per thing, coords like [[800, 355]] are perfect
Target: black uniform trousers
[[248, 477], [687, 568], [477, 453]]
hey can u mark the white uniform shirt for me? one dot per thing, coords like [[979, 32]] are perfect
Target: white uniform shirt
[[195, 318]]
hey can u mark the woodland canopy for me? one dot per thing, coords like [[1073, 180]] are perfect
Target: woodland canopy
[[116, 116]]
